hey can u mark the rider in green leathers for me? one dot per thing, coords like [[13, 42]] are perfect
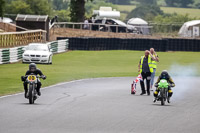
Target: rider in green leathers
[[166, 76]]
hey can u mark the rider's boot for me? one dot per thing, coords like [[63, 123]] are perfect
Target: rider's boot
[[38, 88], [39, 93], [168, 99], [155, 99], [25, 90], [25, 94]]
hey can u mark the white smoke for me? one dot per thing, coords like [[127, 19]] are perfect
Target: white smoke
[[183, 77]]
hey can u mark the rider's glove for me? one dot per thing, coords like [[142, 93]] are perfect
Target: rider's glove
[[156, 85], [44, 77], [23, 78], [172, 85]]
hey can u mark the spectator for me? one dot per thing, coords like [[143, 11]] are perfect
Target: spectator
[[154, 65], [86, 24], [145, 68], [55, 19]]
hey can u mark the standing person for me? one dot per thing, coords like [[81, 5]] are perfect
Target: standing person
[[86, 24], [154, 65], [145, 69]]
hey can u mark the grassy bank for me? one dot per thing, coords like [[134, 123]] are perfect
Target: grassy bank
[[89, 64], [125, 9]]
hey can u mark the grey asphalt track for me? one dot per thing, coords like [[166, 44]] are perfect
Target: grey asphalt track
[[102, 105]]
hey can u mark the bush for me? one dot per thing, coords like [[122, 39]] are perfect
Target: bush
[[147, 12]]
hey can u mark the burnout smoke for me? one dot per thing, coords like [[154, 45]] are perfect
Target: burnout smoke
[[184, 78]]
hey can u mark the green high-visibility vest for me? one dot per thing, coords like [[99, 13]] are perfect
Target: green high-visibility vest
[[149, 63], [154, 63]]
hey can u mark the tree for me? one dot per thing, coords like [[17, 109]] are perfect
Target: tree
[[185, 3], [147, 12], [120, 2], [172, 18], [170, 2], [77, 10], [179, 3], [39, 7], [147, 2], [59, 4], [2, 7], [198, 5], [63, 15], [18, 7]]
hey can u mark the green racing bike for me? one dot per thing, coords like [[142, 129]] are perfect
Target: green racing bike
[[163, 86]]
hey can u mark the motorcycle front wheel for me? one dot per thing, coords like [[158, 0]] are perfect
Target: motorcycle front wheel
[[162, 99], [31, 95]]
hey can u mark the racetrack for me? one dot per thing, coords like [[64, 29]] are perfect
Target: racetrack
[[102, 105]]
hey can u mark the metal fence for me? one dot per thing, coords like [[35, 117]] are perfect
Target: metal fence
[[167, 29], [91, 26]]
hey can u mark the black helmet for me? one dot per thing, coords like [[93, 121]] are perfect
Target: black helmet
[[164, 74], [32, 66]]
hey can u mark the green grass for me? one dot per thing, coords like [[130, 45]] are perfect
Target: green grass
[[125, 9], [192, 12], [89, 64]]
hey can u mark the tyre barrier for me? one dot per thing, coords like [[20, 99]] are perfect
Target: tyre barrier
[[141, 44], [59, 46], [11, 55]]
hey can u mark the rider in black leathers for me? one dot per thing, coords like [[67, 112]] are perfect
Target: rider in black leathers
[[164, 75], [33, 70]]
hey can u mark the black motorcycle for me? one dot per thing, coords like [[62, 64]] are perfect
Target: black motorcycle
[[32, 81]]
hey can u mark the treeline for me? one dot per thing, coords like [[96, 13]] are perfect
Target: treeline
[[37, 7], [77, 10], [169, 3], [66, 10], [152, 12]]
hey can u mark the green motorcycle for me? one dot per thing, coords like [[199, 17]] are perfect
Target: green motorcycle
[[163, 86]]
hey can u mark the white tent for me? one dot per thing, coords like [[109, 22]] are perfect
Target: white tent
[[137, 21], [140, 24], [187, 30], [6, 20]]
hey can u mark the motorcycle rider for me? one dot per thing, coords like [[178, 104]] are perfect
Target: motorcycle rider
[[33, 70], [166, 76]]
